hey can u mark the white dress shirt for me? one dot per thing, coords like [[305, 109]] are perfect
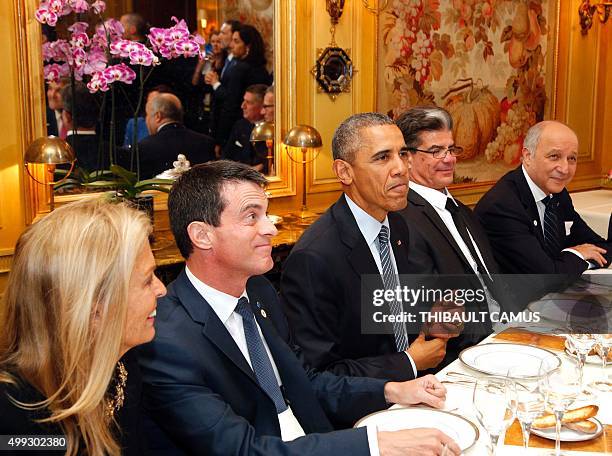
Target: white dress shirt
[[539, 196], [370, 228], [224, 305], [438, 200]]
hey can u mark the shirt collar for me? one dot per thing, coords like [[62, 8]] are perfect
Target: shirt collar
[[537, 192], [222, 303], [432, 196], [368, 225], [169, 122]]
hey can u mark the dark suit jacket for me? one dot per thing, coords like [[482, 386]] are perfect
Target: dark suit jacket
[[204, 398], [229, 94], [89, 154], [243, 153], [158, 152], [321, 291], [509, 215]]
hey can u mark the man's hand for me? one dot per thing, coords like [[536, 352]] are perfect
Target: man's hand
[[591, 252], [211, 78], [423, 390], [417, 442], [427, 353]]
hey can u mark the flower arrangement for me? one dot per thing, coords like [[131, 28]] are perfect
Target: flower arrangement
[[104, 58]]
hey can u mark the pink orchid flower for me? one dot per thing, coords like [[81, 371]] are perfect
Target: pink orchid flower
[[187, 48], [99, 6], [97, 83], [120, 72], [79, 6], [44, 16], [79, 40], [78, 27], [47, 51], [142, 57]]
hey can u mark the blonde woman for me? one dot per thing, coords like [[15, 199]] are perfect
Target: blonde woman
[[81, 293]]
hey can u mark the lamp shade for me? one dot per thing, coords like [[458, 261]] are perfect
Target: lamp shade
[[303, 136], [50, 150], [262, 131]]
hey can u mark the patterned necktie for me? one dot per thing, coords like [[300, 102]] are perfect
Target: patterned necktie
[[391, 282], [259, 357], [552, 238]]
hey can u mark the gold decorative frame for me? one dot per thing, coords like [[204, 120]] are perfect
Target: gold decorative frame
[[340, 80], [31, 84]]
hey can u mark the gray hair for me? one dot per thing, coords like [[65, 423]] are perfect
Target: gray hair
[[423, 118], [168, 105], [346, 140], [533, 135]]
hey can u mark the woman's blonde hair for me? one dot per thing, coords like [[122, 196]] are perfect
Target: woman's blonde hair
[[64, 311]]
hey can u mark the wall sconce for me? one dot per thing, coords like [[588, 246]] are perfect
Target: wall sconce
[[304, 137], [586, 11], [50, 151], [264, 131]]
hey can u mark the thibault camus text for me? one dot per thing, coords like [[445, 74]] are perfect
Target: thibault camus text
[[413, 296]]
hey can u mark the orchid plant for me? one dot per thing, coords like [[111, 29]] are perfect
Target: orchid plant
[[101, 59]]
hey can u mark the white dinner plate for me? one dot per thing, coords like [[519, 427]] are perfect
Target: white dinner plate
[[495, 359], [461, 430], [569, 435], [591, 359]]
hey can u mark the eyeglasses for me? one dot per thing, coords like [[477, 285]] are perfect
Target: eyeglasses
[[267, 106], [441, 152]]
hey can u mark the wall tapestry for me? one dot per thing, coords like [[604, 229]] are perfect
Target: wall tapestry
[[483, 61]]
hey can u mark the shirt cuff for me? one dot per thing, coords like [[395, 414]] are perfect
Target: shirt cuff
[[414, 369], [373, 440], [216, 85]]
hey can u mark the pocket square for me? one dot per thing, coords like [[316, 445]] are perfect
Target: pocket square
[[568, 228], [237, 143]]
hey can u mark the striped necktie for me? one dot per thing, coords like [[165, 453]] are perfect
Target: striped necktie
[[391, 282], [262, 366], [552, 237]]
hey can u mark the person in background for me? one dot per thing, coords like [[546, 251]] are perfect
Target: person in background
[[247, 67], [529, 216], [267, 109], [221, 377], [134, 27], [142, 130], [169, 137], [81, 293], [239, 147], [80, 117], [361, 234], [55, 105]]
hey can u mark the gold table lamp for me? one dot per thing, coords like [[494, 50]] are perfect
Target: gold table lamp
[[51, 151], [264, 131], [305, 137]]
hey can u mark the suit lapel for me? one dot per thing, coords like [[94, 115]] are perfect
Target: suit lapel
[[213, 329], [529, 203], [436, 221]]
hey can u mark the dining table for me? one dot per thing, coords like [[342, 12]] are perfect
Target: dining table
[[460, 393]]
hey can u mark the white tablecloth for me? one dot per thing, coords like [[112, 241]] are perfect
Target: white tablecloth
[[594, 207]]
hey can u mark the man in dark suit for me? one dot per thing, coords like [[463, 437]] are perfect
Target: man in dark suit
[[321, 283], [444, 228], [79, 117], [169, 137], [238, 146], [221, 378], [529, 216]]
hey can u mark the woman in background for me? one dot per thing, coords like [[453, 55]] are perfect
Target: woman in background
[[248, 67], [80, 294]]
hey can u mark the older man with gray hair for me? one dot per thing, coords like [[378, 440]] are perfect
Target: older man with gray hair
[[529, 216], [360, 235], [169, 137]]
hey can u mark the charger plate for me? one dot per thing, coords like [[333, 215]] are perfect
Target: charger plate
[[495, 359], [461, 430]]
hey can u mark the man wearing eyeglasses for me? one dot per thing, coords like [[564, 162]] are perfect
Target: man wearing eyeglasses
[[443, 226]]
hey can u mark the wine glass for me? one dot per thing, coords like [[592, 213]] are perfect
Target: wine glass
[[604, 343], [530, 396], [581, 342], [495, 405], [561, 386]]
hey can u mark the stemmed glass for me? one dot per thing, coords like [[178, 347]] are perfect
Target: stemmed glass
[[561, 386], [604, 343], [495, 405], [581, 342], [530, 396]]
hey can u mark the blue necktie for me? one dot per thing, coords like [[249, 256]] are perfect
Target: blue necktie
[[552, 237], [391, 282], [259, 357]]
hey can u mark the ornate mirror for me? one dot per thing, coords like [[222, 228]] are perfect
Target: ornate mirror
[[334, 71]]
